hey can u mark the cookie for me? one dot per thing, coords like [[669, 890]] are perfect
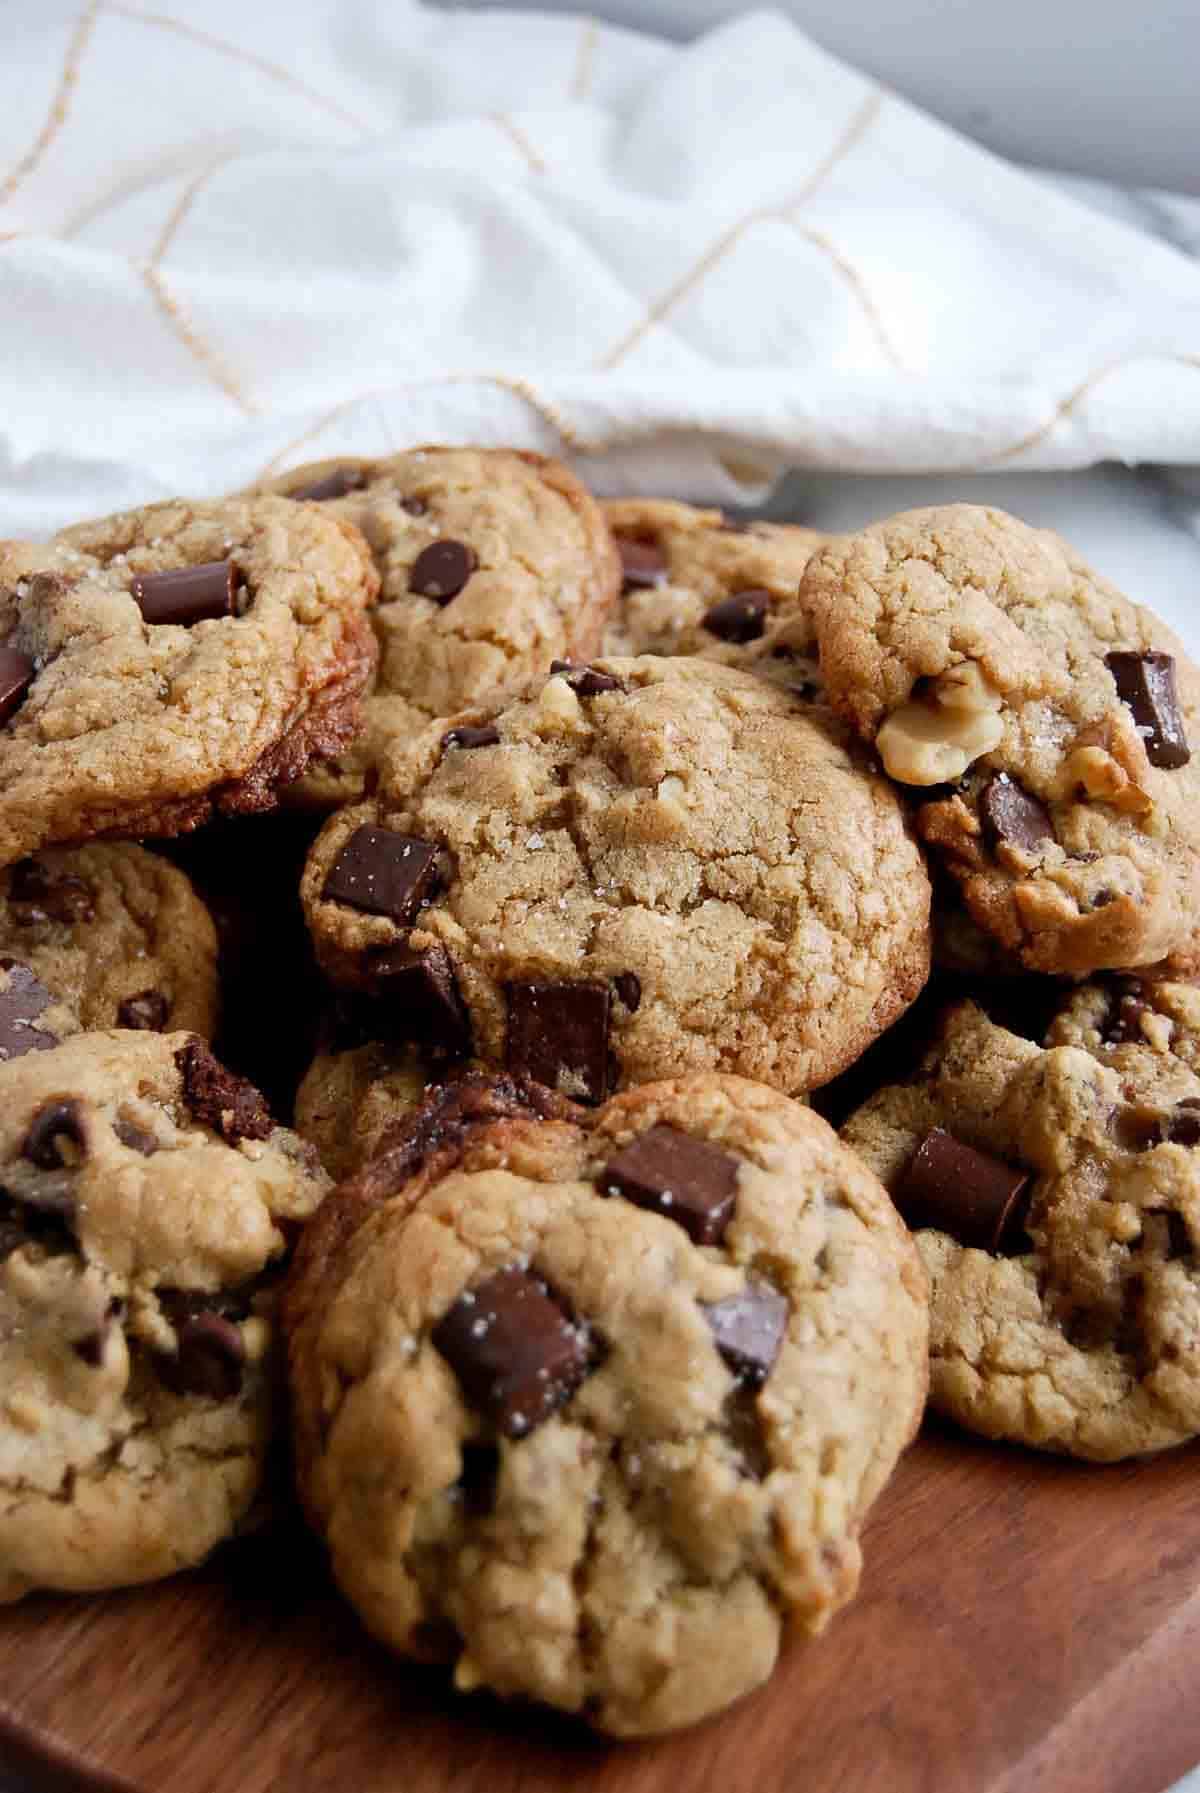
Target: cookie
[[594, 1406], [1120, 1018], [148, 1198], [650, 866], [696, 583], [117, 933], [493, 563], [352, 1092], [1040, 721], [1056, 1201], [175, 661]]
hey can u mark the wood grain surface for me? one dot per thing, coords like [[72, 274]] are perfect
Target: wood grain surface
[[1024, 1624]]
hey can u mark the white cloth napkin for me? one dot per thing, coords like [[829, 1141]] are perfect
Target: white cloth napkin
[[236, 234]]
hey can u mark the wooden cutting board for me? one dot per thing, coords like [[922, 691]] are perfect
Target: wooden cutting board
[[1024, 1624]]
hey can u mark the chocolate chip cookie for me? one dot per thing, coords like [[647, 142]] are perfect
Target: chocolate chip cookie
[[1056, 1201], [162, 664], [1116, 1018], [116, 933], [147, 1201], [352, 1092], [493, 563], [696, 583], [1040, 721], [594, 1406], [648, 866]]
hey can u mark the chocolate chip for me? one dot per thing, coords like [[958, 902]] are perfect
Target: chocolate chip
[[16, 676], [687, 1180], [1183, 1125], [148, 1011], [740, 618], [338, 484], [628, 986], [517, 1355], [383, 873], [91, 1347], [416, 507], [220, 1099], [748, 1329], [421, 997], [23, 997], [1136, 1126], [135, 1137], [187, 595], [209, 1359], [1123, 1025], [585, 681], [441, 570], [643, 564], [57, 1135], [558, 1034], [977, 1199], [466, 737], [1011, 815], [37, 895], [1146, 686]]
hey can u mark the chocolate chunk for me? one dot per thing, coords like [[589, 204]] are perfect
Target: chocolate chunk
[[1011, 815], [91, 1347], [37, 896], [748, 1329], [420, 993], [628, 986], [741, 618], [441, 570], [687, 1180], [585, 681], [23, 997], [1183, 1125], [558, 1034], [209, 1359], [383, 873], [57, 1135], [1146, 686], [643, 564], [220, 1099], [135, 1137], [1123, 1026], [338, 484], [187, 595], [516, 1353], [16, 676], [147, 1011], [487, 736], [979, 1200]]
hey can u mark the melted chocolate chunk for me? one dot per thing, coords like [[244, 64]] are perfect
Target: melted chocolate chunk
[[37, 896], [338, 484], [420, 994], [1146, 686], [135, 1137], [23, 997], [441, 570], [16, 676], [383, 873], [740, 618], [1009, 814], [748, 1330], [628, 986], [558, 1034], [516, 1353], [147, 1011], [220, 1099], [187, 595], [486, 736], [643, 564], [209, 1360], [1123, 1025], [585, 681], [979, 1200], [686, 1180], [57, 1135]]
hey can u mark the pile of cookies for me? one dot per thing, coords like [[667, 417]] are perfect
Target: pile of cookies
[[429, 899]]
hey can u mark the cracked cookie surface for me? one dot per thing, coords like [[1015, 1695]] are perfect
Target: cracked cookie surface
[[140, 708], [117, 933], [1080, 1334], [689, 1476], [147, 1197], [664, 859], [986, 658], [493, 563]]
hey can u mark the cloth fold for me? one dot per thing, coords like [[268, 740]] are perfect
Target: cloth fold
[[234, 237]]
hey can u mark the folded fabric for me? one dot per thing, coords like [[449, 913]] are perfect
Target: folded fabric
[[233, 236]]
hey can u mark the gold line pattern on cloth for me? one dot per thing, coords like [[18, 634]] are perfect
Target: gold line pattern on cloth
[[858, 286], [182, 207], [275, 464], [589, 37], [273, 70], [1067, 405], [176, 318], [517, 137], [59, 106], [716, 252]]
